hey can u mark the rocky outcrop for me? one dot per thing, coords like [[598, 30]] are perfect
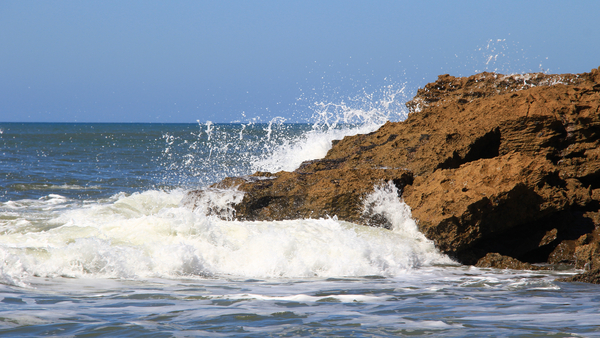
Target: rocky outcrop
[[311, 194], [489, 164], [498, 261]]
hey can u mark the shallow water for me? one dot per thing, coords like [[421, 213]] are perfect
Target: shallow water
[[436, 301], [96, 242]]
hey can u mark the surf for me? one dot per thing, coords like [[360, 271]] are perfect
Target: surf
[[153, 234]]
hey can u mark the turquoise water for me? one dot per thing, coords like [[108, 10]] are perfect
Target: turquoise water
[[96, 241]]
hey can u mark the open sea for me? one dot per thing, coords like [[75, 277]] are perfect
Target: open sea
[[95, 241]]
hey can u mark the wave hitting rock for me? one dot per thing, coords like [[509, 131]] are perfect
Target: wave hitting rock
[[507, 165]]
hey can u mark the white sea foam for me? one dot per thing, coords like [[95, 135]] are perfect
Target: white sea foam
[[149, 234]]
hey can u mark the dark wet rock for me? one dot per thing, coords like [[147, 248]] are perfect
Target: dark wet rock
[[498, 261], [314, 193], [591, 276]]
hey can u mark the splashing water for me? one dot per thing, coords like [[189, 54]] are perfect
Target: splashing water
[[361, 114], [149, 235], [506, 57], [215, 151], [209, 129]]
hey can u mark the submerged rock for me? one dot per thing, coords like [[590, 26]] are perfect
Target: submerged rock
[[498, 261], [591, 276], [489, 163]]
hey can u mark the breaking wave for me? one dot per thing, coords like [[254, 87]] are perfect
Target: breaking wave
[[149, 234]]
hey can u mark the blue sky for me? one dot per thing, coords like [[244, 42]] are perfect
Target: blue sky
[[224, 61]]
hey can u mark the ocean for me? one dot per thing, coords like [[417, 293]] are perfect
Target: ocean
[[96, 241]]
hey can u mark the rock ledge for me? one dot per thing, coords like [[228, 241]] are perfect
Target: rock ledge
[[495, 168]]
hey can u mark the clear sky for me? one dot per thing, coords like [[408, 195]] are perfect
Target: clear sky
[[224, 61]]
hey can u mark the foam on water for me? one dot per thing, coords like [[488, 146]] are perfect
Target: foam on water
[[149, 234]]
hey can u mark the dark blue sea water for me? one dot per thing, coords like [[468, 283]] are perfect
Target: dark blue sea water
[[99, 160], [95, 241]]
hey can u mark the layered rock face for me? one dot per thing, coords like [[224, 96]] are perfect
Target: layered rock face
[[495, 168]]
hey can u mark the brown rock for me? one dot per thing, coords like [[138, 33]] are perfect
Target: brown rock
[[498, 261], [488, 164], [592, 276], [563, 253], [587, 255], [300, 194], [466, 89], [540, 121], [460, 208]]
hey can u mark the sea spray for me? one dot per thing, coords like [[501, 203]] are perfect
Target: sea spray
[[12, 271], [215, 151], [360, 114], [193, 159], [385, 201]]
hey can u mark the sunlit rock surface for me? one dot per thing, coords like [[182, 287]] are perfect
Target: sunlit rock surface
[[489, 164]]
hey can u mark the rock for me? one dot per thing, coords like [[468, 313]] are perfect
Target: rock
[[466, 209], [466, 89], [310, 194], [490, 163], [592, 276], [498, 261]]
